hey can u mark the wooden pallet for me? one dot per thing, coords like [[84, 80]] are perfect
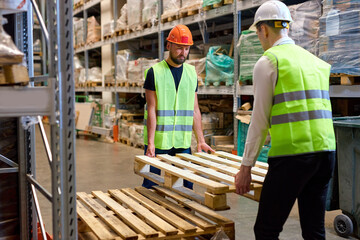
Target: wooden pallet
[[145, 214], [15, 74], [132, 117], [214, 174], [108, 36], [346, 79], [78, 4], [137, 145], [93, 84], [228, 2], [112, 84], [215, 84], [169, 18], [124, 141], [136, 84], [120, 32]]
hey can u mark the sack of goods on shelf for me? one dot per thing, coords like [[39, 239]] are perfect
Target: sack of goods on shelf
[[250, 50], [340, 36], [150, 12], [170, 9], [200, 69], [93, 30], [94, 74], [134, 12], [122, 59], [136, 132], [219, 66], [108, 29], [78, 67], [12, 69], [109, 115], [131, 127], [78, 25], [121, 23], [304, 29], [136, 69]]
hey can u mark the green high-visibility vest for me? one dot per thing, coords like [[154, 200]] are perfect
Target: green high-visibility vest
[[175, 109], [301, 117]]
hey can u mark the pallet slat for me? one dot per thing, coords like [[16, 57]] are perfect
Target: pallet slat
[[126, 216], [151, 218], [161, 211], [210, 185], [213, 174], [118, 226], [195, 206], [257, 174], [94, 223], [239, 159], [175, 208]]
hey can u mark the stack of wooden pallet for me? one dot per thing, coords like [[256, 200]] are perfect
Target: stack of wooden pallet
[[146, 214], [212, 175]]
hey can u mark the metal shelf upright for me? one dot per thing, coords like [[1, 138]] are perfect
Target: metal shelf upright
[[56, 101]]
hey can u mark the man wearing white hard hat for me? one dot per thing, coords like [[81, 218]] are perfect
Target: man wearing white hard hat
[[291, 101]]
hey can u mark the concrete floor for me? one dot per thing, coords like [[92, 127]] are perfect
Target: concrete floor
[[103, 166]]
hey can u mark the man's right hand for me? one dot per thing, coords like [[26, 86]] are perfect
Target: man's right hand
[[150, 152]]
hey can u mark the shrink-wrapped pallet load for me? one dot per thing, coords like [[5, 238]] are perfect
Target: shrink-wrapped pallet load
[[340, 36], [93, 30], [122, 59], [207, 3], [108, 29], [304, 29], [150, 12], [250, 50], [121, 23], [146, 64], [170, 8], [199, 65], [190, 5], [78, 25], [134, 12], [136, 134], [134, 71], [219, 66]]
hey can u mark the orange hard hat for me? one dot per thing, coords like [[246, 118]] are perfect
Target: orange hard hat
[[180, 34]]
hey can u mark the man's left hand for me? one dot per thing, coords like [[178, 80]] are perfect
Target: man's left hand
[[204, 147], [243, 180]]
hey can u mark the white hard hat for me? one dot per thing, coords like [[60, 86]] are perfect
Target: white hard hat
[[271, 10]]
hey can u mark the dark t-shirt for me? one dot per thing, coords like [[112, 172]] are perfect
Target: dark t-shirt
[[176, 72]]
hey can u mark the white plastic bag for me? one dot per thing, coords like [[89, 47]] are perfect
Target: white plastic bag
[[220, 235]]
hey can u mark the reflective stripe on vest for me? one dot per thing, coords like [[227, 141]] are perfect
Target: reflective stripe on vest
[[175, 109], [298, 95], [301, 117]]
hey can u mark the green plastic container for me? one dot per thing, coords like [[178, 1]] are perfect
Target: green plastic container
[[242, 134], [347, 133]]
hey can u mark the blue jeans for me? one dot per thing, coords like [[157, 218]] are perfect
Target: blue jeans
[[147, 183], [303, 177]]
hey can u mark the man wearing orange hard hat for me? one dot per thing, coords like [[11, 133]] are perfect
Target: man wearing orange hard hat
[[172, 111]]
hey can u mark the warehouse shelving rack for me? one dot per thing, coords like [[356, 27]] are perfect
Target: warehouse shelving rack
[[236, 9], [56, 100]]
